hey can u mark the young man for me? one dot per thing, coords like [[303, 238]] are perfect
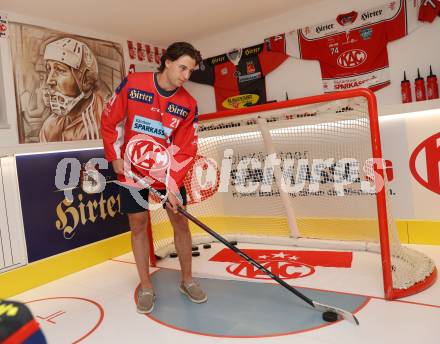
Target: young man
[[149, 127]]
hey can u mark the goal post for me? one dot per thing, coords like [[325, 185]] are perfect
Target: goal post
[[303, 172]]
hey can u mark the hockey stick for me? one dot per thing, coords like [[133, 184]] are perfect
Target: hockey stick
[[316, 305]]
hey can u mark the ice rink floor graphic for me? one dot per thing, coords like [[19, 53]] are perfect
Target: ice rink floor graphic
[[96, 305]]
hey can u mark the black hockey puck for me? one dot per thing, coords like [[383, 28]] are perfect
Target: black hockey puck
[[195, 253], [233, 242], [194, 248], [330, 316], [206, 245], [173, 254], [157, 257]]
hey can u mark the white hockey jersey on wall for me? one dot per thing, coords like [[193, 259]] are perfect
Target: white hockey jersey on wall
[[352, 48]]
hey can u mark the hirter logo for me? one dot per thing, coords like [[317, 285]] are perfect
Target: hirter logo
[[425, 162], [285, 264], [145, 153], [352, 58], [177, 110], [140, 96], [325, 27]]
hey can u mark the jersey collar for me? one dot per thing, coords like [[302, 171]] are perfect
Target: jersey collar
[[161, 91]]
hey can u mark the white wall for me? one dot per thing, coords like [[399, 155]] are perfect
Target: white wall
[[303, 78], [297, 77]]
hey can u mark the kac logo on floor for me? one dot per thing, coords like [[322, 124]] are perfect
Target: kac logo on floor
[[285, 264]]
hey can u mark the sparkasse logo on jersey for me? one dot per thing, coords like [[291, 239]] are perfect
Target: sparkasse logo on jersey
[[427, 156], [352, 58]]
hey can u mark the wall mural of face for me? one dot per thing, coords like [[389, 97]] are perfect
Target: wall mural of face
[[60, 92], [64, 92], [60, 78]]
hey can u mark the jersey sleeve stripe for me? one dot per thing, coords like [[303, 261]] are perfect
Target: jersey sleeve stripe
[[120, 130]]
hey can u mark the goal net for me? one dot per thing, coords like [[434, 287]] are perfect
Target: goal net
[[305, 172]]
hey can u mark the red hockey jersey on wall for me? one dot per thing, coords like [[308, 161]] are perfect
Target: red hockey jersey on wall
[[429, 9], [352, 49], [239, 76]]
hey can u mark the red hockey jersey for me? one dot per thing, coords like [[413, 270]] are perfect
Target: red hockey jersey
[[239, 76], [352, 49], [154, 130], [429, 9]]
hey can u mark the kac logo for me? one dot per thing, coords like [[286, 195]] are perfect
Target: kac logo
[[427, 156], [352, 58], [286, 264], [145, 153], [284, 270]]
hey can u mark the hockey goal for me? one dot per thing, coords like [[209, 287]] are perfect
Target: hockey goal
[[305, 172]]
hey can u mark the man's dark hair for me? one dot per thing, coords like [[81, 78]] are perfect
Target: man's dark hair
[[178, 49]]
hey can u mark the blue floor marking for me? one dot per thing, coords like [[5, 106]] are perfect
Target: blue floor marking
[[240, 308]]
